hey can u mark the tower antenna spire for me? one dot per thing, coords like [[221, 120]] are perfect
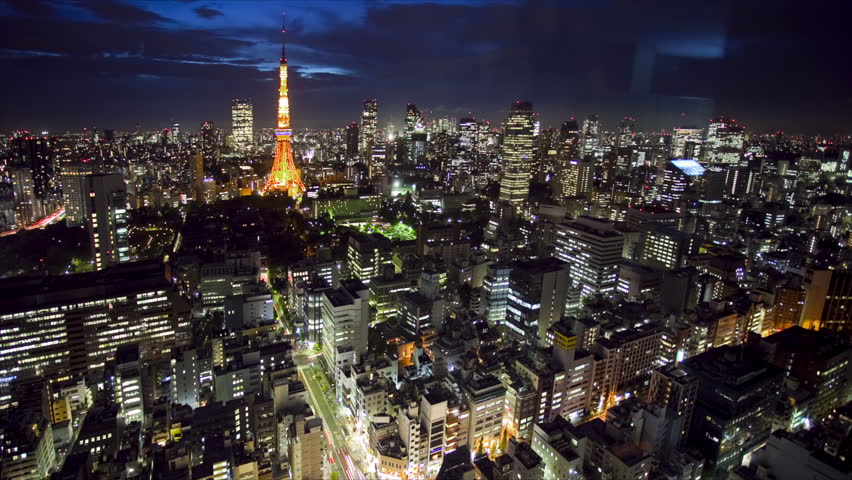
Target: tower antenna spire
[[283, 43]]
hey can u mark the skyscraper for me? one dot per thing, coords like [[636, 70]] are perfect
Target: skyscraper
[[575, 178], [352, 140], [686, 142], [677, 176], [28, 208], [107, 223], [242, 123], [517, 155], [367, 134], [73, 183], [725, 141], [284, 177], [626, 129], [209, 149], [591, 135], [537, 291], [592, 247], [412, 124], [36, 154]]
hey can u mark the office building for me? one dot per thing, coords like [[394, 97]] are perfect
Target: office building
[[73, 324], [678, 175], [536, 299], [575, 179], [591, 136], [687, 142], [352, 138], [496, 292], [592, 248], [345, 319], [209, 148], [73, 184], [106, 207], [28, 208], [37, 154], [367, 132], [128, 384], [485, 396], [517, 155], [828, 300], [242, 123], [305, 451], [367, 254], [725, 142], [737, 392]]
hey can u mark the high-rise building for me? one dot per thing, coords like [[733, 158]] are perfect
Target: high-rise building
[[677, 176], [517, 155], [415, 313], [468, 142], [367, 254], [734, 407], [591, 136], [725, 142], [367, 133], [306, 448], [828, 300], [686, 142], [592, 247], [209, 148], [352, 139], [496, 292], [128, 384], [106, 207], [28, 208], [37, 154], [73, 324], [575, 179], [666, 247], [570, 142], [674, 388], [242, 123], [73, 184], [626, 130], [537, 291], [345, 318], [413, 124], [418, 149]]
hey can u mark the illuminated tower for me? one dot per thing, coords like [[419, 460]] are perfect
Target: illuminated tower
[[284, 176]]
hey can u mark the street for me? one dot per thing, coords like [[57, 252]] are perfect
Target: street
[[335, 434]]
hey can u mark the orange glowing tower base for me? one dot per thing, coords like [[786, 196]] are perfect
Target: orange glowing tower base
[[284, 177]]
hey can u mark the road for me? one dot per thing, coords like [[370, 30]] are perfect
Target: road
[[335, 434], [53, 217]]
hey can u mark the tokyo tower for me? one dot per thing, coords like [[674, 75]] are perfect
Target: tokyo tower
[[284, 176]]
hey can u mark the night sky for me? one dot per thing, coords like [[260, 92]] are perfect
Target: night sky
[[112, 63]]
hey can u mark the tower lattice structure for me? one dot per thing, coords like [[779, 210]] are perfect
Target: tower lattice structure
[[284, 177]]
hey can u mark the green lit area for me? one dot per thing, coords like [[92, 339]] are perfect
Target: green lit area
[[391, 231]]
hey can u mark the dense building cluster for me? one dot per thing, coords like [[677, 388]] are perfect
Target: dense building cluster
[[451, 300]]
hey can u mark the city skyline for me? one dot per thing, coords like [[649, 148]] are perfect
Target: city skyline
[[612, 59]]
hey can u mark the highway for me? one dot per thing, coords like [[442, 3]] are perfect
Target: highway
[[53, 217], [335, 434]]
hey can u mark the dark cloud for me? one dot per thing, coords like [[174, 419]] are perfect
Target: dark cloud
[[116, 11], [31, 7], [770, 67], [207, 13]]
